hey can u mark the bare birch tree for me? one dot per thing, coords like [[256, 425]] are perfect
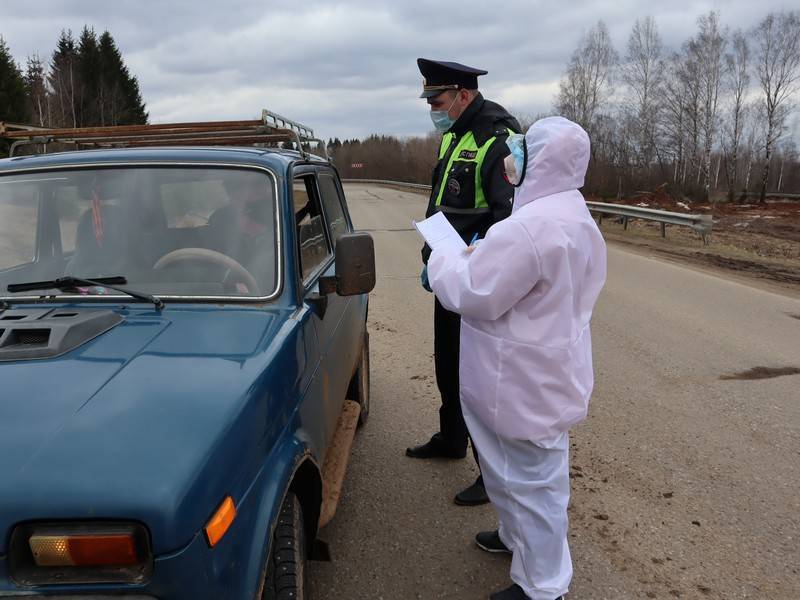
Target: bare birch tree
[[777, 40], [586, 86], [680, 116], [643, 74], [737, 83], [707, 49], [672, 117]]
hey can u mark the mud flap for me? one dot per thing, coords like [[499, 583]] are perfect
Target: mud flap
[[335, 467]]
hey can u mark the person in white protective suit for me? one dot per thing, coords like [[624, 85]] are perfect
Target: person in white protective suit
[[526, 294]]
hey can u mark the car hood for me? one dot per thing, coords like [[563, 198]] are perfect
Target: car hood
[[129, 425]]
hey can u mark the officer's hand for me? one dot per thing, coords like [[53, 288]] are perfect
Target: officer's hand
[[423, 279]]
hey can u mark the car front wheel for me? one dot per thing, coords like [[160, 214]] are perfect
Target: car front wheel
[[287, 576]]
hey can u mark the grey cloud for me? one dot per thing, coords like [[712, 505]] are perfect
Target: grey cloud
[[347, 68]]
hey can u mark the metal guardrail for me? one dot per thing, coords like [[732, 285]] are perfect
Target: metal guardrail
[[415, 186], [702, 224]]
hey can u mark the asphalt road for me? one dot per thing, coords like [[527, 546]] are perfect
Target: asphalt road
[[685, 484]]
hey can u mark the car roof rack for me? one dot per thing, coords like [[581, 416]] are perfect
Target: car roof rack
[[272, 128]]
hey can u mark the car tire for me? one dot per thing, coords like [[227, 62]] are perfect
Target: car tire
[[360, 387], [287, 573]]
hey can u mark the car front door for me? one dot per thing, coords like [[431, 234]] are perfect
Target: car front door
[[315, 251], [349, 335]]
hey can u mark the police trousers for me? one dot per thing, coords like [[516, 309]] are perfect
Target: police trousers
[[446, 344]]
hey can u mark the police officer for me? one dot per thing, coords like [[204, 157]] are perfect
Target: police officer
[[470, 189]]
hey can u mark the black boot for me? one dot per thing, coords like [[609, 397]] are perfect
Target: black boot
[[474, 495], [490, 542], [435, 448], [513, 593]]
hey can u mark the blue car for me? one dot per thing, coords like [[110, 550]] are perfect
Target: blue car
[[183, 360]]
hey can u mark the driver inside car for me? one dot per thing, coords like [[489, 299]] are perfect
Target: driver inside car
[[243, 229]]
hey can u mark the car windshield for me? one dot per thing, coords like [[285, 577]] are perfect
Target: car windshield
[[187, 232]]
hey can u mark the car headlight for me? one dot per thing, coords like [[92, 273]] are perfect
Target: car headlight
[[46, 553]]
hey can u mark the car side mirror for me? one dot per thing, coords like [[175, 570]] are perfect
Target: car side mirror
[[355, 266]]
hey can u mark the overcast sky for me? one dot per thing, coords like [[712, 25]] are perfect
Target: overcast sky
[[347, 69]]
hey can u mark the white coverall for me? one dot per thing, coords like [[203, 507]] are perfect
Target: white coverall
[[526, 296]]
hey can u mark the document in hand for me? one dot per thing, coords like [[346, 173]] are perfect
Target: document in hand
[[438, 233]]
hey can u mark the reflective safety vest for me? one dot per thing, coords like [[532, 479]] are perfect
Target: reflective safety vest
[[461, 176]]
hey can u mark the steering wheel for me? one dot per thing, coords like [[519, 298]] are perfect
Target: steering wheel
[[235, 271]]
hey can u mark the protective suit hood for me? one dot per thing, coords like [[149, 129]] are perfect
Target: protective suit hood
[[558, 156]]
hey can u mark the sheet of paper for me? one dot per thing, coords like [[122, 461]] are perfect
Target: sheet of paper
[[438, 232]]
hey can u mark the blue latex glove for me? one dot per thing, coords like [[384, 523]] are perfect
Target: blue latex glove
[[423, 279]]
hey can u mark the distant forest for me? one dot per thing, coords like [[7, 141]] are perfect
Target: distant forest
[[85, 83]]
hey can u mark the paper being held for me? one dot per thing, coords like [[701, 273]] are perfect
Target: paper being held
[[438, 233]]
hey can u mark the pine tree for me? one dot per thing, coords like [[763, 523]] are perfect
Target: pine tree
[[120, 100], [88, 81], [12, 91], [12, 87], [38, 107], [135, 113], [63, 81]]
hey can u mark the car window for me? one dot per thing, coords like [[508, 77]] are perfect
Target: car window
[[18, 216], [179, 231], [332, 202], [70, 207], [313, 249], [189, 204]]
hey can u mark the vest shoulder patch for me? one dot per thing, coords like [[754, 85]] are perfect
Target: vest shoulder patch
[[468, 154]]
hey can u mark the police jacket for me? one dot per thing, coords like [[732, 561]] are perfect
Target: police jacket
[[468, 185]]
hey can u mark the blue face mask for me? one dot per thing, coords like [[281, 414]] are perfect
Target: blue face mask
[[441, 118], [515, 162]]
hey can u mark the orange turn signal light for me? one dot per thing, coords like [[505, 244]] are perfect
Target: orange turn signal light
[[84, 550], [218, 525]]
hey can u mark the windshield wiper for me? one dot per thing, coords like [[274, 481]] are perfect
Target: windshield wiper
[[69, 283]]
